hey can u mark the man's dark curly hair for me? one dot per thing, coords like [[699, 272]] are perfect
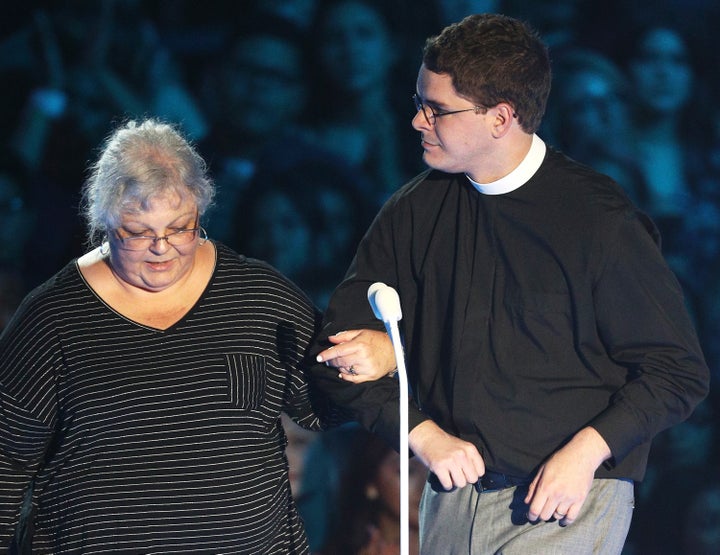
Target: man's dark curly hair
[[493, 58]]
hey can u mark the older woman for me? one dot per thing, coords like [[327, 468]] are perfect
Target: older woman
[[141, 387]]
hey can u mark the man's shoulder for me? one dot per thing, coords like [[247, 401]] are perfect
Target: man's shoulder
[[573, 182], [565, 170], [429, 182]]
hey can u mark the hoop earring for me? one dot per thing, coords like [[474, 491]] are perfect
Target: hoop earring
[[203, 236], [105, 246]]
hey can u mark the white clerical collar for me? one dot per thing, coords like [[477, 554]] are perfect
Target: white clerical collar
[[520, 175]]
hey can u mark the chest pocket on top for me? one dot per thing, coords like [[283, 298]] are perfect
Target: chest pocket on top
[[246, 380]]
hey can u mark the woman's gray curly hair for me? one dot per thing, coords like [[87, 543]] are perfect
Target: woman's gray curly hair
[[141, 161]]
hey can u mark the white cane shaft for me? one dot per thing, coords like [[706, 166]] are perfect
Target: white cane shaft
[[404, 449]]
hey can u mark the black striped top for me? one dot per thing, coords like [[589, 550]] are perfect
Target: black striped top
[[150, 441]]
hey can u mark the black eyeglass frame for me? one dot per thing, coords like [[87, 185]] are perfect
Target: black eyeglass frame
[[144, 242], [420, 106]]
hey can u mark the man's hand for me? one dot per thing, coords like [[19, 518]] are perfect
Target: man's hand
[[455, 462], [563, 482], [360, 355]]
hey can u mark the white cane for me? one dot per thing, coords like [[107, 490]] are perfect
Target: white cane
[[385, 303]]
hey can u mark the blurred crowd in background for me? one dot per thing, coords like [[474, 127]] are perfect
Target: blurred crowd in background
[[302, 110]]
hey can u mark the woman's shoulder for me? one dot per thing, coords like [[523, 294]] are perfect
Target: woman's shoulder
[[51, 299], [261, 277], [239, 265], [65, 282]]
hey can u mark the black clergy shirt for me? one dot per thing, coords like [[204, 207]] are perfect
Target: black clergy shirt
[[527, 316]]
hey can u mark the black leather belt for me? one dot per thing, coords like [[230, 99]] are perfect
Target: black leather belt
[[490, 481], [495, 480]]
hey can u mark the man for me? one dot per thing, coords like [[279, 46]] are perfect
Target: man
[[546, 339]]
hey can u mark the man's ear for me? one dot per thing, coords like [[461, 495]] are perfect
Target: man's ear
[[504, 117]]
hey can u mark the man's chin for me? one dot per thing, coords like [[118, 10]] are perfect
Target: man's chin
[[435, 162]]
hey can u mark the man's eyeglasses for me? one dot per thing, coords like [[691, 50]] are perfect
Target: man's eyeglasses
[[175, 239], [434, 114]]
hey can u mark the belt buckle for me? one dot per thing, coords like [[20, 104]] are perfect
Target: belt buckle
[[493, 481]]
